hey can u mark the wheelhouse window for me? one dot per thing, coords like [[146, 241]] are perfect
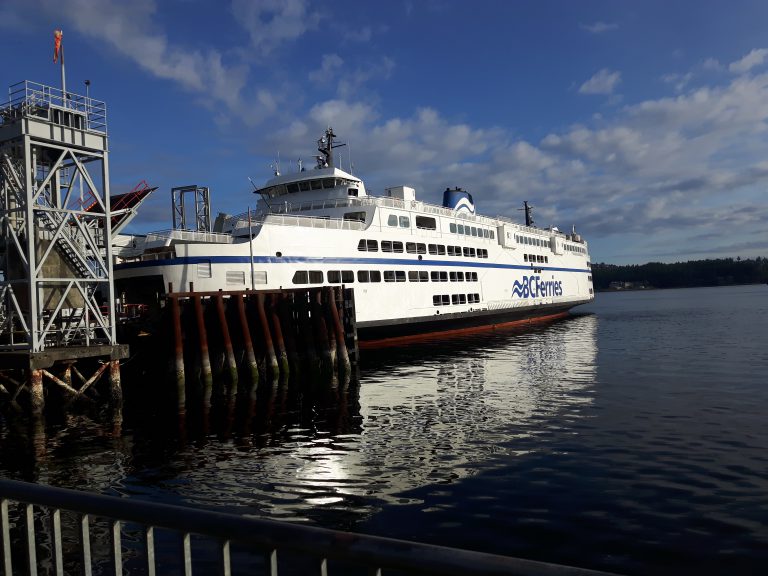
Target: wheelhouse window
[[452, 227], [405, 222], [355, 216], [392, 220]]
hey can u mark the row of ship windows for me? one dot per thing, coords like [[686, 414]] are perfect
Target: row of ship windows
[[536, 258], [467, 230], [421, 248], [576, 249], [530, 241], [447, 299], [423, 222], [519, 238], [348, 276]]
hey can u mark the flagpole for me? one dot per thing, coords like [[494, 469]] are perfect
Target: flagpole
[[63, 77]]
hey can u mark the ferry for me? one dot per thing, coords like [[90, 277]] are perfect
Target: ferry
[[416, 268]]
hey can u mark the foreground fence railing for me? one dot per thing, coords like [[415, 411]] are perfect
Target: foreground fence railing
[[38, 514]]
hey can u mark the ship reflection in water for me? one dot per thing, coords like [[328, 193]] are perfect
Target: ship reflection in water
[[423, 415], [426, 414]]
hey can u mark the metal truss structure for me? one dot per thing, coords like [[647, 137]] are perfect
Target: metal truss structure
[[202, 204], [56, 286]]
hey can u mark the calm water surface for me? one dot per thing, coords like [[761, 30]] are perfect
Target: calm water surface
[[630, 437]]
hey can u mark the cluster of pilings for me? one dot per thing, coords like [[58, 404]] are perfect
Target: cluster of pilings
[[73, 372], [254, 336]]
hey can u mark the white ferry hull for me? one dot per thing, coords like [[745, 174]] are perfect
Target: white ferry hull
[[473, 291], [414, 267]]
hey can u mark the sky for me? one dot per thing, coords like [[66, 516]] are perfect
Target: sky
[[643, 123]]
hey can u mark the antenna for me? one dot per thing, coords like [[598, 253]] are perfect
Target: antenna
[[255, 188], [528, 213]]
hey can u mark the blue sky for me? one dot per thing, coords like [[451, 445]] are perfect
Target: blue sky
[[642, 123]]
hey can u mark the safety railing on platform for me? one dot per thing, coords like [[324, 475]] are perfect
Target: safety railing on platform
[[33, 99], [275, 544]]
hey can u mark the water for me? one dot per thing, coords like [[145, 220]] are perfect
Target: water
[[629, 437]]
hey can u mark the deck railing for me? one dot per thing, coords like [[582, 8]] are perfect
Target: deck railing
[[31, 99], [240, 221], [39, 515]]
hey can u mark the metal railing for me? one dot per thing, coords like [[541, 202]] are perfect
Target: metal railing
[[241, 220], [33, 99], [41, 513]]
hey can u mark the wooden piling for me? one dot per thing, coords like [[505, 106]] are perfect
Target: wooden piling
[[285, 312], [327, 303], [247, 342], [37, 395], [178, 349], [279, 341], [231, 363], [115, 393], [202, 337], [270, 349], [321, 332], [343, 355]]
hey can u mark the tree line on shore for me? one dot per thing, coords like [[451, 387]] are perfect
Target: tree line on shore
[[710, 272]]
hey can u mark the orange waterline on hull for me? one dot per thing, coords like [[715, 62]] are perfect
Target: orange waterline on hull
[[400, 340]]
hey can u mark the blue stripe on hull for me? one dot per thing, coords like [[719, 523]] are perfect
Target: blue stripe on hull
[[320, 260]]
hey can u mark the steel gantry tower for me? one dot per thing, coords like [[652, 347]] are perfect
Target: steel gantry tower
[[56, 285]]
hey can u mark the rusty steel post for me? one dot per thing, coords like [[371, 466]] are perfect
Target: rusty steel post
[[278, 340], [37, 395], [344, 363], [249, 355], [327, 304], [286, 315], [115, 393], [67, 375], [271, 357], [227, 344], [178, 348], [321, 331], [202, 336]]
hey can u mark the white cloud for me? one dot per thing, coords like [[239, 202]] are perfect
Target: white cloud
[[603, 82], [678, 81], [272, 22], [754, 58], [712, 64], [330, 65], [599, 27]]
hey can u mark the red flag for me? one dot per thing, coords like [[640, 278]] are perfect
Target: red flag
[[57, 34]]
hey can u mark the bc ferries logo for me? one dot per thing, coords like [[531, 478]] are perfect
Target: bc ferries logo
[[535, 287]]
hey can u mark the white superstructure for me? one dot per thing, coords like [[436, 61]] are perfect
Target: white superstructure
[[415, 267]]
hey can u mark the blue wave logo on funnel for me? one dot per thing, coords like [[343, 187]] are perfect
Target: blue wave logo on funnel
[[458, 200]]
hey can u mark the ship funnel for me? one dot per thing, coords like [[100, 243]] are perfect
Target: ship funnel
[[458, 200]]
